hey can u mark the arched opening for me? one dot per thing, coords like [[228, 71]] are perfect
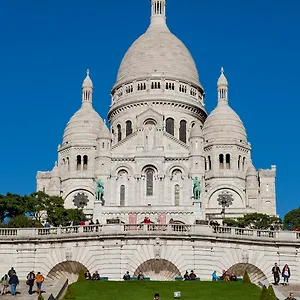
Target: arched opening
[[227, 159], [158, 269], [244, 163], [128, 128], [170, 126], [85, 162], [182, 131], [122, 195], [209, 162], [254, 272], [239, 162], [149, 182], [68, 163], [177, 195], [66, 269], [221, 161], [119, 132], [78, 162]]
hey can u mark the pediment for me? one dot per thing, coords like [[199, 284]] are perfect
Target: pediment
[[150, 114]]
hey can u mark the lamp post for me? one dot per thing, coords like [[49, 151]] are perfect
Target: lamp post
[[225, 199]]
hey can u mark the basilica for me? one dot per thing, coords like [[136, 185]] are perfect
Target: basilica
[[162, 157]]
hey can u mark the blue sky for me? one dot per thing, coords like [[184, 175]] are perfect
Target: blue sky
[[46, 46]]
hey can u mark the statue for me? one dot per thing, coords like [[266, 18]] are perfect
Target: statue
[[196, 188], [99, 190]]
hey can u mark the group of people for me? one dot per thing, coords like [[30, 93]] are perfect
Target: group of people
[[88, 276], [11, 280], [285, 274], [225, 276], [189, 276], [128, 277]]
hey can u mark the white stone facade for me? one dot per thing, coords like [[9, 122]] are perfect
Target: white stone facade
[[160, 137]]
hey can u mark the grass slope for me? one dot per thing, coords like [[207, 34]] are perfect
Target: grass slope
[[143, 290]]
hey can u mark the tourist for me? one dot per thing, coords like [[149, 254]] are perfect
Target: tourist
[[11, 272], [4, 282], [225, 276], [147, 220], [192, 275], [13, 282], [186, 276], [30, 281], [156, 297], [214, 276], [233, 277], [290, 297], [97, 222], [276, 274], [87, 275], [141, 276], [96, 276], [286, 273], [39, 279], [126, 276]]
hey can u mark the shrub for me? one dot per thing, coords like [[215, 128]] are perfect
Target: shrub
[[70, 294], [81, 276], [246, 278], [271, 294], [264, 293], [40, 297]]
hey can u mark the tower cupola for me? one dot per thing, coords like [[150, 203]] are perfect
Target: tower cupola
[[158, 12], [87, 89], [222, 86]]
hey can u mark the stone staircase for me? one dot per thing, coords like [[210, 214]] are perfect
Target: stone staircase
[[49, 287], [291, 288]]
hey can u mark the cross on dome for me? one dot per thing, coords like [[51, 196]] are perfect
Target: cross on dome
[[87, 72]]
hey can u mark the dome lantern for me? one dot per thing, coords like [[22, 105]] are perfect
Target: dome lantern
[[222, 86], [87, 89], [158, 12]]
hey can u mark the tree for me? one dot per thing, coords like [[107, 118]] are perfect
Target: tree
[[271, 294], [81, 276], [264, 293], [291, 220], [23, 221], [246, 278]]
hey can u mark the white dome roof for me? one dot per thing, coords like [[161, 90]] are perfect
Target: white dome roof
[[83, 126], [104, 133], [223, 124], [158, 53]]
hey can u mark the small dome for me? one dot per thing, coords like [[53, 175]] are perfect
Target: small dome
[[224, 124], [104, 133], [251, 170], [222, 79], [196, 130], [158, 53], [87, 82], [83, 126]]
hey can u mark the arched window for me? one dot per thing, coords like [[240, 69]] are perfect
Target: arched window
[[68, 164], [149, 182], [78, 162], [128, 128], [221, 161], [177, 195], [170, 126], [182, 131], [85, 162], [239, 162], [209, 162], [205, 164], [64, 164], [122, 195], [119, 132], [227, 159]]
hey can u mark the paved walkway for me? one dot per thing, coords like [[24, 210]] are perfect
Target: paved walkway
[[49, 287], [286, 289]]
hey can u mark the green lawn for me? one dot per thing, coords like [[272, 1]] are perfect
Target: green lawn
[[143, 290]]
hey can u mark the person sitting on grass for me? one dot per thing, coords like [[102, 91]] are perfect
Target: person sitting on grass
[[126, 276], [192, 275], [233, 277], [214, 276], [141, 276], [96, 276], [186, 276], [156, 297], [87, 275]]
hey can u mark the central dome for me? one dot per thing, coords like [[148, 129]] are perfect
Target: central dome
[[159, 53]]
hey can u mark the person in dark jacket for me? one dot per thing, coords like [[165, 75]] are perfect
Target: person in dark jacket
[[290, 297], [286, 273], [11, 272], [13, 282], [30, 281], [126, 276], [276, 274]]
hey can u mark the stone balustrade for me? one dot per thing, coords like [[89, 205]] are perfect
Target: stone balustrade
[[174, 229]]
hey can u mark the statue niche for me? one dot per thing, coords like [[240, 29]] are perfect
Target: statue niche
[[149, 135]]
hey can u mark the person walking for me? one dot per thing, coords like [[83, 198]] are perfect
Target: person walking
[[13, 282], [30, 281], [286, 274], [4, 282], [11, 272], [276, 274], [39, 279]]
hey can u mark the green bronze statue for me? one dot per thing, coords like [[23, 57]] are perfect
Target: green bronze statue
[[99, 190], [196, 188]]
